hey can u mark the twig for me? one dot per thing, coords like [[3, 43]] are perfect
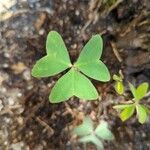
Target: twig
[[45, 125], [8, 109], [114, 48], [114, 6]]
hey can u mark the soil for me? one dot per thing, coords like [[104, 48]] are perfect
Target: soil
[[28, 121]]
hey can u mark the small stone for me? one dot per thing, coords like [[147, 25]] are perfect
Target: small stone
[[7, 120], [19, 94], [41, 32], [27, 75], [29, 87], [7, 55], [11, 101], [3, 89], [5, 65]]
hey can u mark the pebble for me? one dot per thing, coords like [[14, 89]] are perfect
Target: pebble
[[41, 32], [19, 94], [17, 146], [5, 65], [7, 120], [7, 55], [11, 101], [27, 74]]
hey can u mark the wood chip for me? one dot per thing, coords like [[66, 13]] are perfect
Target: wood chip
[[40, 21], [18, 68]]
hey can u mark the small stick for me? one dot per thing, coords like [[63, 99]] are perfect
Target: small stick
[[8, 109], [45, 125], [114, 6], [114, 48]]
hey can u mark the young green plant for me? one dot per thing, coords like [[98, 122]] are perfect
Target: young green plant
[[89, 134], [119, 87], [74, 82], [142, 111]]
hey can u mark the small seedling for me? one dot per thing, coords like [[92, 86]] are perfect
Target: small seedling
[[119, 87], [89, 134], [74, 82], [142, 111]]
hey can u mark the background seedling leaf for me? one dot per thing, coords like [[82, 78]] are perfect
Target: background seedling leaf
[[85, 128], [127, 113], [103, 132], [92, 50], [73, 83], [48, 66], [55, 45], [119, 87], [141, 113], [96, 70], [93, 139], [141, 90], [133, 90]]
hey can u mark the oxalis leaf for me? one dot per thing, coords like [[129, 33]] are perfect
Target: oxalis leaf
[[85, 128], [103, 132], [57, 59], [73, 83], [55, 45], [89, 63], [88, 134]]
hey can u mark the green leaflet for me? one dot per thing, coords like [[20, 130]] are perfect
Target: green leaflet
[[56, 60], [133, 90], [88, 134], [95, 69], [85, 128], [48, 66], [141, 90], [119, 87], [92, 50], [103, 132], [141, 113], [55, 45], [73, 83], [127, 113], [89, 63]]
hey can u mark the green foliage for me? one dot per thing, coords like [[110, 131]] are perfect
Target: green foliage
[[74, 82], [140, 92], [119, 87], [89, 134], [142, 111]]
